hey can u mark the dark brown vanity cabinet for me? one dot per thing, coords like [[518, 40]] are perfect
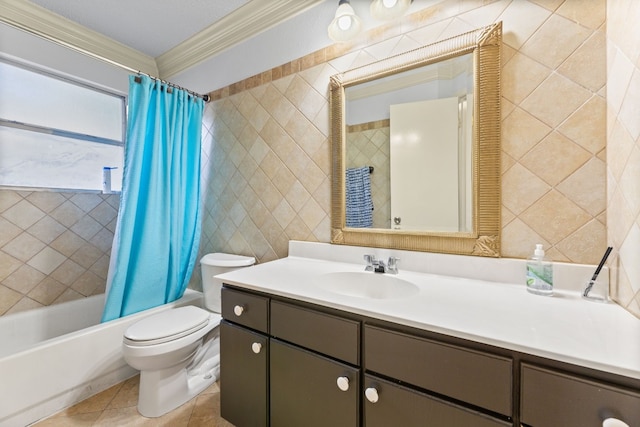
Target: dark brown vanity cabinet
[[288, 363], [554, 398]]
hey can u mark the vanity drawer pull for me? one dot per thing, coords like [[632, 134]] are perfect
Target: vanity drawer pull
[[343, 383], [238, 310], [614, 422], [371, 394], [256, 347]]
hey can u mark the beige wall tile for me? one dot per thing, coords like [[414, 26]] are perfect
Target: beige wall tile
[[555, 217], [555, 158], [521, 20], [47, 260], [23, 247], [8, 231], [521, 75], [590, 15], [623, 161], [8, 298], [543, 46], [587, 126], [521, 189], [23, 214], [590, 56], [35, 263], [8, 199], [584, 187], [567, 97]]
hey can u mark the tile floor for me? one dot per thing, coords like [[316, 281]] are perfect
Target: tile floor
[[116, 406]]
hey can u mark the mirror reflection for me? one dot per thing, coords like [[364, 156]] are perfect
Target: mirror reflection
[[415, 142], [408, 151]]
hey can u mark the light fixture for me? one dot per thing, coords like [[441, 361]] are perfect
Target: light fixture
[[346, 24], [385, 10]]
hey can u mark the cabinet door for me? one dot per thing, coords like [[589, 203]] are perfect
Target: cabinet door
[[305, 391], [396, 405], [244, 362], [551, 398]]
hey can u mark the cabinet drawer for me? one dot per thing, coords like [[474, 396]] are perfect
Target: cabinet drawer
[[401, 406], [551, 398], [246, 309], [304, 389], [321, 332], [470, 376]]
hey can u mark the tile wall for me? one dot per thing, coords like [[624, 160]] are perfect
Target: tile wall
[[268, 149], [54, 246], [623, 150]]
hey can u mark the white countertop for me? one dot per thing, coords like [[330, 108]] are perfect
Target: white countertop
[[563, 327]]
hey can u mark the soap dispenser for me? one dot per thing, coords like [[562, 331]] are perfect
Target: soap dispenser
[[539, 273]]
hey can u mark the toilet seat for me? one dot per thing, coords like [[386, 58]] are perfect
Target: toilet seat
[[167, 326]]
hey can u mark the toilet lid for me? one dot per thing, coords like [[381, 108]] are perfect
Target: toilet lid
[[218, 259], [167, 325]]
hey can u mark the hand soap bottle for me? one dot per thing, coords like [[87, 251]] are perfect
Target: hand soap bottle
[[539, 273]]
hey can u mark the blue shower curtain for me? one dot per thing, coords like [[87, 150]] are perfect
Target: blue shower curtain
[[158, 231]]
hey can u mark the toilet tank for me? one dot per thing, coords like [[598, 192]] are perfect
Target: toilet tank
[[214, 264]]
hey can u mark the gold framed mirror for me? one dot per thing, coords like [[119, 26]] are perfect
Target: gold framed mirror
[[460, 75]]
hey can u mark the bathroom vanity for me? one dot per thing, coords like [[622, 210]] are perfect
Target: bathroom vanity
[[296, 352]]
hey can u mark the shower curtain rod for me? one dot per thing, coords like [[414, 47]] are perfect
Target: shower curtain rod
[[44, 35], [205, 97]]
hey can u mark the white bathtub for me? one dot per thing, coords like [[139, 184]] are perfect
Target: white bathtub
[[54, 357]]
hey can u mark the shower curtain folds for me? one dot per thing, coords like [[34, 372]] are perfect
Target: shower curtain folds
[[156, 241]]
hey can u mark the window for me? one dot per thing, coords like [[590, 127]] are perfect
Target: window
[[58, 133]]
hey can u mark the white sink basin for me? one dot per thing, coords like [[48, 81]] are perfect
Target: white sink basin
[[366, 285]]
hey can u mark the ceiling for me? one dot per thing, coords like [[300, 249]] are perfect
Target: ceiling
[[159, 37], [150, 26]]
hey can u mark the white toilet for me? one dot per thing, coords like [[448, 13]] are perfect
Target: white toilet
[[178, 351]]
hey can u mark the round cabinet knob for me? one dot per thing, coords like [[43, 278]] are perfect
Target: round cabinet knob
[[343, 383], [371, 394], [256, 347], [614, 422], [238, 310]]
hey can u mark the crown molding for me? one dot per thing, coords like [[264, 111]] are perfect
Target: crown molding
[[245, 22], [50, 26]]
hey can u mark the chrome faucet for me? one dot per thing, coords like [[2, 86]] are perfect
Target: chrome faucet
[[371, 261], [392, 265], [378, 266], [373, 264]]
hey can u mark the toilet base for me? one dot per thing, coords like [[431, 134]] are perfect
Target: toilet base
[[163, 390]]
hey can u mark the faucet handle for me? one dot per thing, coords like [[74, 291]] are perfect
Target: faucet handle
[[392, 265], [370, 260]]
